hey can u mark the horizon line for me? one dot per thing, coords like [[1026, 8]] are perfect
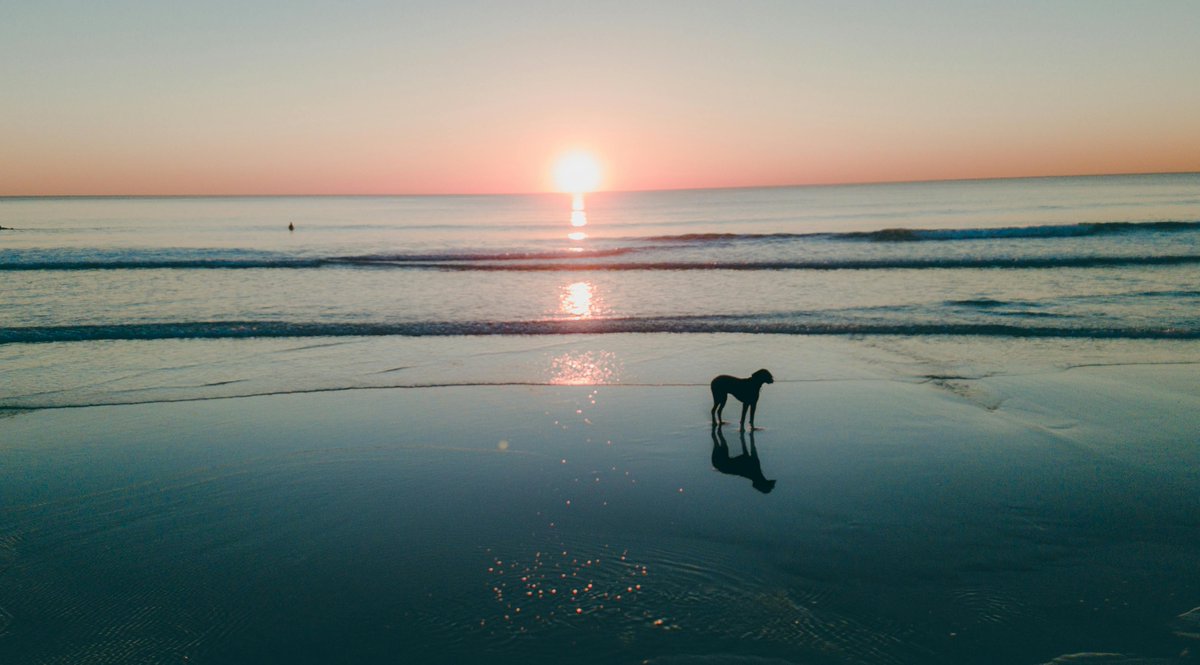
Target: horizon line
[[601, 191]]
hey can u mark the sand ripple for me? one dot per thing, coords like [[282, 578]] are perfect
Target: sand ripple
[[1090, 658], [986, 606], [1188, 624]]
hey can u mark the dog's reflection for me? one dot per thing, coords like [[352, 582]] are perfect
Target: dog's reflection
[[745, 465]]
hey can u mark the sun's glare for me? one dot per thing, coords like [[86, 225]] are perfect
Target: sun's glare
[[576, 300], [577, 173]]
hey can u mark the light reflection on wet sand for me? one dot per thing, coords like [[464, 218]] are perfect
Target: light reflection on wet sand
[[579, 301], [582, 368], [560, 584]]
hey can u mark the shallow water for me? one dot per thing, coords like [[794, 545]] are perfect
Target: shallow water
[[533, 523]]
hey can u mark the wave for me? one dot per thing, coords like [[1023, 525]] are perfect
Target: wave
[[464, 262], [1027, 232], [839, 264], [161, 264], [202, 260], [726, 237], [682, 324], [981, 303], [914, 235], [606, 257], [567, 255]]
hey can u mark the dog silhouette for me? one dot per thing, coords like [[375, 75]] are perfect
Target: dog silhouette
[[745, 390]]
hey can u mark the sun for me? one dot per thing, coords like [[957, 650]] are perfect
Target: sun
[[577, 173]]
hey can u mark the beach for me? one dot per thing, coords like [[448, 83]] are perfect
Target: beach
[[915, 517], [441, 429]]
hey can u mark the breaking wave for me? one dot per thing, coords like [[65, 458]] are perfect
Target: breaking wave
[[238, 259], [794, 252], [912, 235], [682, 324], [580, 263], [914, 263]]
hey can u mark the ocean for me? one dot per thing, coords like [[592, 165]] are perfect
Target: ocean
[[457, 429], [1089, 258]]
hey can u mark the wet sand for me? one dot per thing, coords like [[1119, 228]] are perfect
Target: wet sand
[[926, 518]]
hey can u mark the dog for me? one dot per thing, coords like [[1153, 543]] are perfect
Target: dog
[[745, 390]]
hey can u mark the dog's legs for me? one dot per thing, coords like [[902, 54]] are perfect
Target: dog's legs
[[746, 406], [718, 407], [753, 408]]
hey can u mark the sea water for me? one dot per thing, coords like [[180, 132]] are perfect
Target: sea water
[[1086, 259]]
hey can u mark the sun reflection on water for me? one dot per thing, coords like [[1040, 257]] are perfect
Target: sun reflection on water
[[578, 217], [576, 300], [585, 368]]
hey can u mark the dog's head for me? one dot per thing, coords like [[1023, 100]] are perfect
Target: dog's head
[[763, 376], [765, 486]]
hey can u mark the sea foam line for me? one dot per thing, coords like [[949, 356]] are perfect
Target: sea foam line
[[957, 263], [697, 324], [204, 261], [507, 265]]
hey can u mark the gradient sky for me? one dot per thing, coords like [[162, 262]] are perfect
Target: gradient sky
[[297, 97]]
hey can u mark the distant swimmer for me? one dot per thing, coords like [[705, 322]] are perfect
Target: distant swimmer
[[291, 226], [746, 390]]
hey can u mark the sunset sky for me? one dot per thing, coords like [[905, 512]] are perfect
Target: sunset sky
[[297, 97]]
